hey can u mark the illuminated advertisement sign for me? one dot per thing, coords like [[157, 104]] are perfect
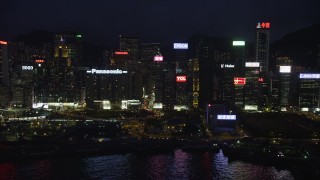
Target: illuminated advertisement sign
[[116, 71], [260, 79], [27, 68], [251, 107], [309, 76], [180, 45], [239, 81], [181, 79], [226, 117], [285, 69], [263, 25], [158, 58], [252, 64], [121, 53], [3, 42], [227, 66], [39, 61], [238, 43]]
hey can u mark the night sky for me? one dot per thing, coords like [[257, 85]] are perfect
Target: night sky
[[165, 21]]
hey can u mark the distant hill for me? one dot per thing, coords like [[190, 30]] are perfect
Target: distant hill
[[301, 46], [36, 38]]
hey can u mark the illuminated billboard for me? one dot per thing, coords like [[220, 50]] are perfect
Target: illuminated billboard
[[238, 43], [260, 80], [226, 117], [116, 71], [239, 81], [3, 42], [39, 61], [263, 25], [285, 69], [251, 107], [27, 68], [181, 79], [227, 66], [309, 76], [252, 64], [180, 45], [121, 53], [158, 58]]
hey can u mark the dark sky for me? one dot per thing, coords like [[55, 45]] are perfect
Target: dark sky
[[101, 21]]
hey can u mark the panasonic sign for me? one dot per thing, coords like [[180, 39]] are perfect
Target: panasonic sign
[[96, 71]]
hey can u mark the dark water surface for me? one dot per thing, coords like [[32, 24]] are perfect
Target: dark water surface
[[175, 165]]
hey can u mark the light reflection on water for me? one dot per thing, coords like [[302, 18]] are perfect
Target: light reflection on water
[[174, 165]]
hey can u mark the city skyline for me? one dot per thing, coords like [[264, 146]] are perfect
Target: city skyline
[[156, 21]]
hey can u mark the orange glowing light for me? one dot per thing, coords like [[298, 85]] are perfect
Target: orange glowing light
[[121, 53]]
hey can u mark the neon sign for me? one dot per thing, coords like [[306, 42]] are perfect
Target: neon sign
[[309, 76], [39, 61], [158, 58], [116, 71], [3, 42], [263, 25], [121, 53], [239, 81], [180, 45], [285, 69], [238, 43], [252, 64], [260, 79], [227, 66], [181, 79], [27, 67], [226, 117]]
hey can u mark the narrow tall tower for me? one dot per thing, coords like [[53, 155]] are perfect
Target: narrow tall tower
[[262, 46]]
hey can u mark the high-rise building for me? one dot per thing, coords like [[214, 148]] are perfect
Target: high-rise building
[[251, 88], [262, 46], [67, 56], [181, 61], [262, 56], [131, 45], [309, 92], [148, 52], [284, 65], [4, 64], [4, 75], [194, 84]]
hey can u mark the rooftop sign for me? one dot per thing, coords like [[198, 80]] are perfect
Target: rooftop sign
[[96, 71], [252, 64], [309, 76], [238, 43], [226, 117], [263, 25], [180, 45]]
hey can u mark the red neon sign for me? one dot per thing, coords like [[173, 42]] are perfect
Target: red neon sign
[[121, 53], [39, 61], [260, 79], [158, 58], [239, 81], [181, 79], [263, 25], [3, 42]]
